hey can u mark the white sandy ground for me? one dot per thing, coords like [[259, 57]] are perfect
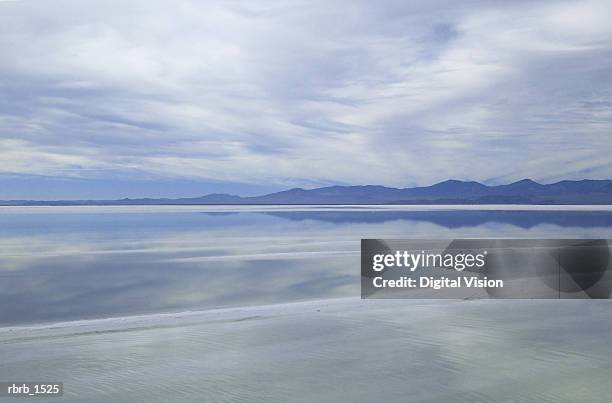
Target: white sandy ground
[[328, 350], [292, 208]]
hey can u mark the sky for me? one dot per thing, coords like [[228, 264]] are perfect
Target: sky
[[151, 98]]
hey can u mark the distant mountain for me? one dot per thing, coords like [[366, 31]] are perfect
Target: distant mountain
[[525, 191]]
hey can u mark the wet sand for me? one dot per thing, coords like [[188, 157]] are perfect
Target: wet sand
[[342, 349]]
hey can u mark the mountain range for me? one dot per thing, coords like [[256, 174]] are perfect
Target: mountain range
[[525, 191]]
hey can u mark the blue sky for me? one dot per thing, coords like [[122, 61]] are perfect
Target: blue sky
[[106, 99]]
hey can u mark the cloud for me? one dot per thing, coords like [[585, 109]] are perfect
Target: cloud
[[307, 93]]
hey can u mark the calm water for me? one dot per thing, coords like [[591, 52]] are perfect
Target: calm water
[[69, 264], [91, 263]]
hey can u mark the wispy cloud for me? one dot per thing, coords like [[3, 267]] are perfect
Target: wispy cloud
[[302, 93]]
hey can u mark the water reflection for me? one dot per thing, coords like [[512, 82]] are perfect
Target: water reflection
[[459, 219], [70, 266]]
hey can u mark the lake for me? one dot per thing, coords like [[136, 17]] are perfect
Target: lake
[[261, 303]]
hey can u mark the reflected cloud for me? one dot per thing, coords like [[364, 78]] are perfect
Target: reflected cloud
[[72, 266]]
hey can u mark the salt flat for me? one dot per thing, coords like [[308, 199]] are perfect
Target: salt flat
[[294, 208]]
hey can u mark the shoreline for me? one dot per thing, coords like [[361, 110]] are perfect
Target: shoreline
[[228, 208], [228, 314], [242, 313]]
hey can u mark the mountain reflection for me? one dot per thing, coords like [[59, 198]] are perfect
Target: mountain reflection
[[458, 219]]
